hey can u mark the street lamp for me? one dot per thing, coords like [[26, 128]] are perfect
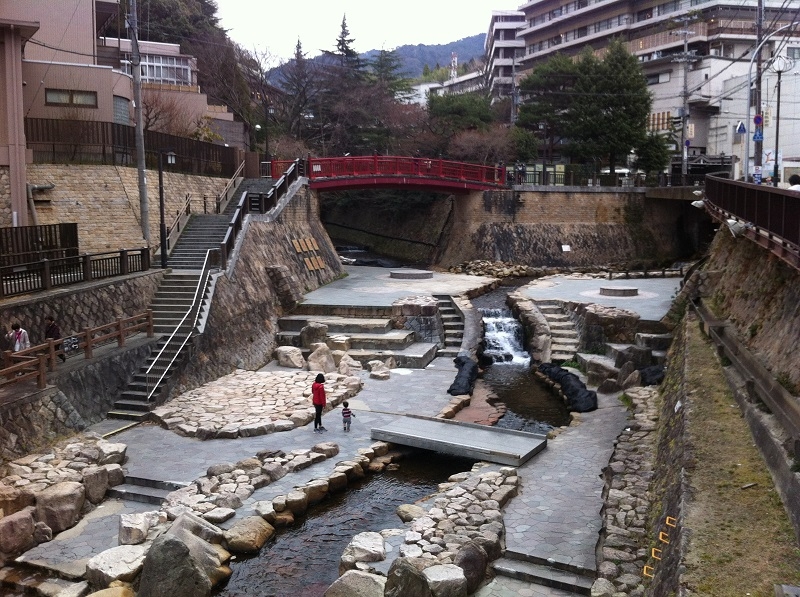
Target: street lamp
[[170, 160], [749, 90], [780, 65]]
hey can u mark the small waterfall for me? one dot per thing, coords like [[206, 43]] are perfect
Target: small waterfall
[[503, 337]]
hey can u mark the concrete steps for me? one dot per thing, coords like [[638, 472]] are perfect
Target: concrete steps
[[202, 232], [545, 574], [563, 335], [453, 324], [337, 324], [148, 491]]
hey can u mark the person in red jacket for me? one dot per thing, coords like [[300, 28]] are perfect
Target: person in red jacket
[[318, 399]]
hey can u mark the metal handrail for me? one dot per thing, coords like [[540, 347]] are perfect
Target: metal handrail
[[193, 315], [226, 194]]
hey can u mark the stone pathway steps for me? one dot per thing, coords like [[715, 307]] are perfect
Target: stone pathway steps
[[544, 574], [148, 491], [453, 324], [16, 579], [564, 336]]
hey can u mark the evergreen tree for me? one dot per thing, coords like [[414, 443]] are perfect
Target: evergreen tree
[[348, 57], [386, 71], [653, 154]]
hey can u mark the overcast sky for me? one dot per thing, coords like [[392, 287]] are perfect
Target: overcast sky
[[276, 25]]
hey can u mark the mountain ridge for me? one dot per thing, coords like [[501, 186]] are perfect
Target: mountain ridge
[[414, 57]]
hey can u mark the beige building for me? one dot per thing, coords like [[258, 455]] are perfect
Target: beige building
[[56, 65]]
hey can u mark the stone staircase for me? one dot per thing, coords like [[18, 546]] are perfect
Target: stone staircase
[[564, 336], [170, 304], [148, 491], [547, 573], [365, 334], [453, 324], [202, 232], [24, 579]]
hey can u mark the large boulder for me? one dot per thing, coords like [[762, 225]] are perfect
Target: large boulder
[[313, 333], [110, 453], [290, 356], [446, 580], [13, 499], [193, 524], [16, 532], [364, 547], [248, 534], [95, 482], [355, 583], [321, 360], [133, 528], [472, 559], [118, 563], [59, 506], [406, 580], [408, 512], [169, 569]]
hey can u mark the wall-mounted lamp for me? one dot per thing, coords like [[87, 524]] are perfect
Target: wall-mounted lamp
[[736, 227]]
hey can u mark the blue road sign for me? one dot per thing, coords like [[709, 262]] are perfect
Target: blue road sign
[[758, 120], [740, 128], [758, 135]]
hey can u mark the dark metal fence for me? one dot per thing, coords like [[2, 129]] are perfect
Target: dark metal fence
[[90, 142], [771, 216], [52, 273], [24, 244]]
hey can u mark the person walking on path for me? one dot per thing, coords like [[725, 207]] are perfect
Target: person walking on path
[[347, 415], [18, 338], [52, 331], [318, 400]]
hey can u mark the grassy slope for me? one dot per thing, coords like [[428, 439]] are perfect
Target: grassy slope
[[741, 540]]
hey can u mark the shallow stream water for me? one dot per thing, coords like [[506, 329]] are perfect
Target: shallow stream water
[[302, 561]]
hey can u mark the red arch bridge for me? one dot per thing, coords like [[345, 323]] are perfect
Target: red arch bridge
[[377, 171]]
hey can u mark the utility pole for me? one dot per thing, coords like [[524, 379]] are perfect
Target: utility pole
[[758, 142], [514, 97], [686, 58], [136, 61]]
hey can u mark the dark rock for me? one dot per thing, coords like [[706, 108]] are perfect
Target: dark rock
[[653, 375], [609, 386], [465, 378], [578, 398], [170, 570], [472, 559], [406, 580]]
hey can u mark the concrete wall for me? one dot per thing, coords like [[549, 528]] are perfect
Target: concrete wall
[[5, 197], [601, 227], [104, 201]]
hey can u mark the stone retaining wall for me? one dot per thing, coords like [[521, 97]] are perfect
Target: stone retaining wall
[[104, 201], [80, 306], [78, 398]]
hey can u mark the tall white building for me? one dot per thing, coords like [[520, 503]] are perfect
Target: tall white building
[[719, 36]]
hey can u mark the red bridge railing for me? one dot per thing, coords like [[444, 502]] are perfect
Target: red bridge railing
[[398, 166], [771, 215]]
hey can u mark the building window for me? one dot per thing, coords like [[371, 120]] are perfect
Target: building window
[[581, 32], [669, 7], [793, 53], [70, 97], [645, 14], [122, 110], [168, 70]]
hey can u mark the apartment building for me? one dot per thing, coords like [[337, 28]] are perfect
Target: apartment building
[[717, 35], [503, 51]]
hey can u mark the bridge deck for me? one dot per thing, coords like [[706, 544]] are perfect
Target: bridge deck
[[502, 446]]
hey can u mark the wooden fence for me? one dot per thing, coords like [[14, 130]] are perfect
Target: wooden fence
[[23, 244], [34, 361], [52, 273]]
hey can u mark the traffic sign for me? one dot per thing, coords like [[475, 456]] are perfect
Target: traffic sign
[[740, 128], [758, 135], [758, 120]]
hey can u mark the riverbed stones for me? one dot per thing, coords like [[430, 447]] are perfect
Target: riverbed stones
[[118, 563], [446, 580], [59, 506], [408, 512], [248, 535], [170, 570], [321, 359], [133, 528], [16, 532], [355, 583]]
